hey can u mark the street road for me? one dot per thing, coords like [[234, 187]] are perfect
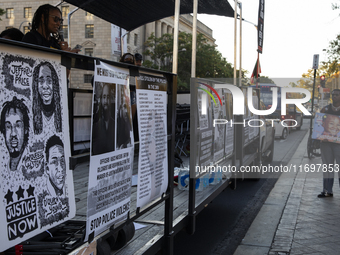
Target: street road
[[221, 226]]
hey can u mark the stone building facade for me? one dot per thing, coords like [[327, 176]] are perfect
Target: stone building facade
[[93, 33]]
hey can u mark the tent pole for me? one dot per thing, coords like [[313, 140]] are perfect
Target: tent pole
[[175, 47], [235, 40], [240, 71], [194, 40]]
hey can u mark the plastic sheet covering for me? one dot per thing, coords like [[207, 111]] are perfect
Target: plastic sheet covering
[[130, 14]]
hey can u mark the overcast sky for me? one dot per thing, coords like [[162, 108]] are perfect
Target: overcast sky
[[294, 30]]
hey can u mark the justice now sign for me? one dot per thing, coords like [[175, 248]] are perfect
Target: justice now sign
[[238, 100]]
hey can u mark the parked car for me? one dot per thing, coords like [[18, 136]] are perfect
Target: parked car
[[299, 119], [281, 130]]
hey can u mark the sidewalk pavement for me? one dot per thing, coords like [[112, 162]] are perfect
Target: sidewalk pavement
[[293, 220]]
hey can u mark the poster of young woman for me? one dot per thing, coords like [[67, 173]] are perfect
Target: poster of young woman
[[36, 183], [112, 145], [153, 149]]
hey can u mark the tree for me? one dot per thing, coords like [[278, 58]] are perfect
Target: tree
[[2, 12], [209, 61]]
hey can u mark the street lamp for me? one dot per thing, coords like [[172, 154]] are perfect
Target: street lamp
[[29, 24]]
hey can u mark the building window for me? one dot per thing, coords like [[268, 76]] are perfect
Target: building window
[[88, 14], [135, 40], [87, 78], [128, 38], [65, 11], [28, 12], [89, 52], [9, 27], [9, 13], [26, 29], [89, 31], [64, 28]]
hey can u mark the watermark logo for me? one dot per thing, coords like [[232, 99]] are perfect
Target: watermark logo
[[238, 99]]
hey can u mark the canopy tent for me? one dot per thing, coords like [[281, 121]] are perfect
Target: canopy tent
[[130, 14]]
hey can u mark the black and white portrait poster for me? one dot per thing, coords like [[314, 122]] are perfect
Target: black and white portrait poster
[[112, 146], [151, 95], [36, 183]]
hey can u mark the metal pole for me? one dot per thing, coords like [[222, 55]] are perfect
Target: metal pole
[[235, 41], [175, 47], [240, 71], [311, 120], [194, 40], [69, 26]]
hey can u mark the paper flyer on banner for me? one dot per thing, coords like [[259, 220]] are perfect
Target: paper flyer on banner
[[326, 127], [112, 145], [151, 95], [36, 183], [219, 130]]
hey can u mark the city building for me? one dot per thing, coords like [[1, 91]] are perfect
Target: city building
[[92, 33]]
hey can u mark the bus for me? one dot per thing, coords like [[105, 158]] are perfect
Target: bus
[[292, 113]]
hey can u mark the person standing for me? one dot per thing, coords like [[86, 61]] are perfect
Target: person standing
[[330, 152]]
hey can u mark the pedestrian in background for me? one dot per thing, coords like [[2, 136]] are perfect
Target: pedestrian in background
[[138, 59], [330, 152], [12, 34]]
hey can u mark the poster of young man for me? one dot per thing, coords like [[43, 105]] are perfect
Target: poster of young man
[[109, 188], [151, 95], [36, 183], [326, 127]]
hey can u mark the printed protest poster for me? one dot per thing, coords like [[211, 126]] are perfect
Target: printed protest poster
[[205, 125], [151, 95], [326, 127], [36, 184], [112, 145], [219, 129]]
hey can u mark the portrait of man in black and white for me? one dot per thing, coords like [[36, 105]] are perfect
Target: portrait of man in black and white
[[103, 131], [46, 99], [55, 166], [15, 129], [124, 125]]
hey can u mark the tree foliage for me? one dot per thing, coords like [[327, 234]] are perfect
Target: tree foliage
[[209, 61], [2, 12]]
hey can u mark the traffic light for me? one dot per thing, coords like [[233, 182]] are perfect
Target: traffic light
[[322, 81]]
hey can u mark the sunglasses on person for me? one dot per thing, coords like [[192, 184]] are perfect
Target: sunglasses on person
[[57, 19]]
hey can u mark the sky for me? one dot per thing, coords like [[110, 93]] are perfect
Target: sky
[[294, 30]]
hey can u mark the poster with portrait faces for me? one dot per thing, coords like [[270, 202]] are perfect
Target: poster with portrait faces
[[112, 145], [36, 187], [326, 127], [151, 95]]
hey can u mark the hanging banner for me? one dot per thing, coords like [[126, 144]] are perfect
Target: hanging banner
[[151, 95], [112, 145], [260, 25], [116, 47], [36, 182]]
